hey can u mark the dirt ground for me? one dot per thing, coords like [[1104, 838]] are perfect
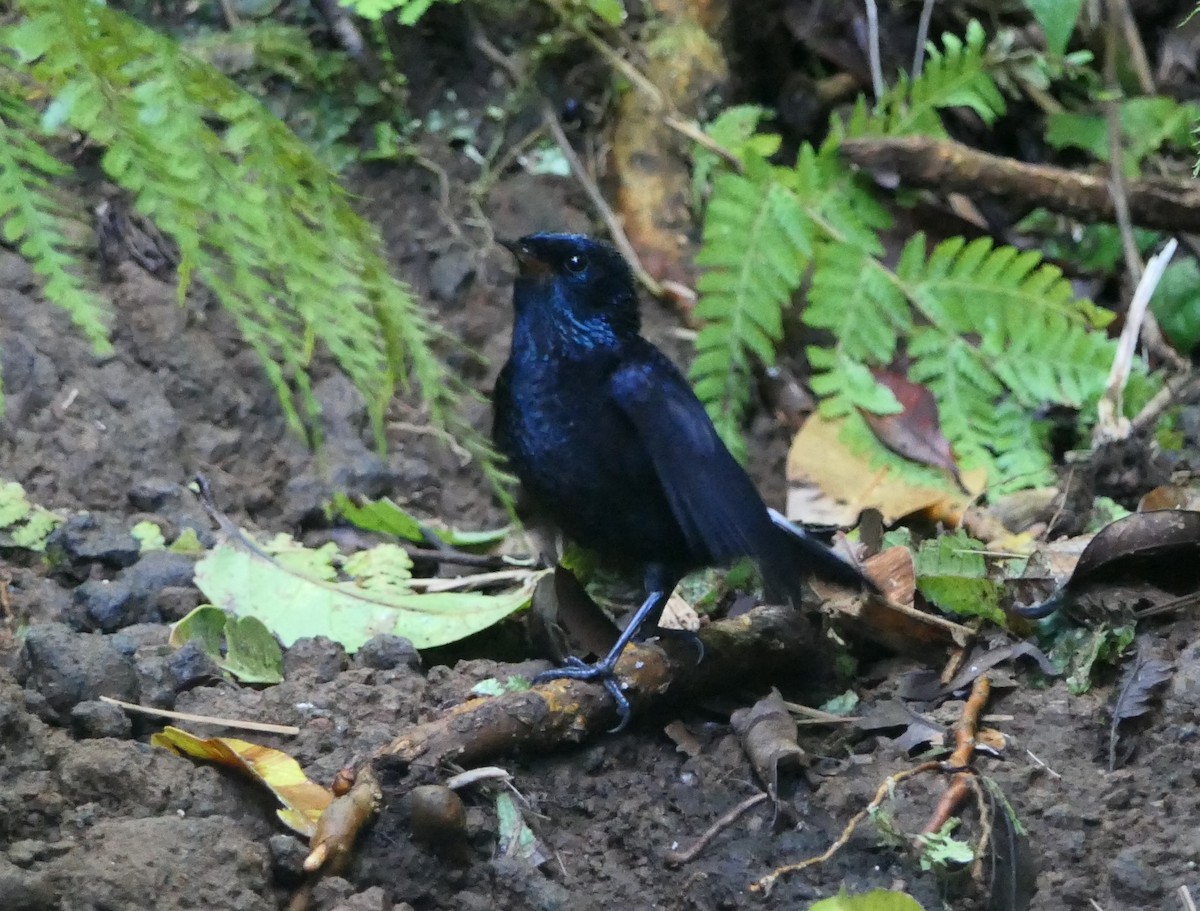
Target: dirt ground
[[92, 817]]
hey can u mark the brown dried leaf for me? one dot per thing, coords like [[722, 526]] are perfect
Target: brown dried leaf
[[768, 735], [914, 432], [1145, 675], [827, 479]]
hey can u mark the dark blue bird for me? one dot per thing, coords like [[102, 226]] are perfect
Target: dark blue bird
[[608, 438]]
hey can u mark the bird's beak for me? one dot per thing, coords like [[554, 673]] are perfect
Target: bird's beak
[[528, 265]]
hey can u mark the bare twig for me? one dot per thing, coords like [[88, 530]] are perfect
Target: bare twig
[[1185, 899], [698, 136], [1119, 10], [766, 883], [235, 723], [1111, 424], [1116, 157], [1181, 389], [873, 49], [342, 26], [922, 37], [679, 857], [615, 229], [964, 751], [231, 17], [1160, 203]]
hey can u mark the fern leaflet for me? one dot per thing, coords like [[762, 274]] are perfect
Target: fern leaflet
[[257, 216], [757, 243]]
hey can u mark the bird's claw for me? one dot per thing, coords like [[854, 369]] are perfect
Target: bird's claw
[[601, 672]]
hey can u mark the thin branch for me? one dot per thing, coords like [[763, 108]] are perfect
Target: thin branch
[[1116, 157], [678, 857], [1110, 424], [922, 37], [964, 752], [1160, 203], [235, 723], [873, 49], [1119, 9], [615, 229]]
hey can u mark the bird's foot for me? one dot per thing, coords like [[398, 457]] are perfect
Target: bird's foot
[[601, 672], [687, 636]]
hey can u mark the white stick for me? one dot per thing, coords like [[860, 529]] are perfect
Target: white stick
[[1112, 425]]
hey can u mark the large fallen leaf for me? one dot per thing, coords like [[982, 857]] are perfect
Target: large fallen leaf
[[768, 735], [1145, 557], [298, 592], [830, 483], [304, 801]]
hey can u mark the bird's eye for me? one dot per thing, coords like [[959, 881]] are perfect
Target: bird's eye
[[576, 263]]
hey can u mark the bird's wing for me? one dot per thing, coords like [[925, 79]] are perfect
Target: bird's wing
[[715, 503]]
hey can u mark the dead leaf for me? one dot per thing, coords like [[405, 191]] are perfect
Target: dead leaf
[[1011, 873], [304, 801], [1152, 555], [847, 483], [1145, 675], [893, 621], [685, 741], [678, 614], [562, 614], [914, 432], [768, 735], [1170, 496]]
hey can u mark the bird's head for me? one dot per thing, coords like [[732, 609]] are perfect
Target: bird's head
[[581, 286]]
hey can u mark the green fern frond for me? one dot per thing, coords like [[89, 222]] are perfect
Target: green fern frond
[[257, 217], [757, 243], [955, 75], [33, 216], [1002, 333], [992, 331]]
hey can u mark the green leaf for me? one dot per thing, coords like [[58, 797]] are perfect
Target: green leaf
[[611, 11], [1057, 19], [493, 686], [24, 525], [253, 655], [516, 839], [149, 536], [13, 505], [251, 652], [952, 574], [939, 850], [188, 542], [205, 625], [386, 517], [382, 516], [296, 596], [877, 900]]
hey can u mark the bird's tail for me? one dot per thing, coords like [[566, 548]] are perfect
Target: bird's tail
[[793, 555]]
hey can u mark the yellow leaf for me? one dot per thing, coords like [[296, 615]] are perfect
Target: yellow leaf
[[304, 801]]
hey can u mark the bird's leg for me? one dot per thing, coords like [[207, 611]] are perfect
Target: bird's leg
[[664, 578], [604, 670]]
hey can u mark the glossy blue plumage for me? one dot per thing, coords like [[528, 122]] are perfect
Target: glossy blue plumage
[[607, 436]]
